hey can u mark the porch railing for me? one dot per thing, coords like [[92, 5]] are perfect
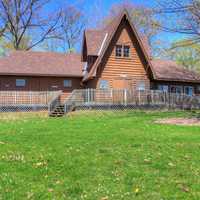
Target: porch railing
[[113, 98], [56, 101], [26, 97]]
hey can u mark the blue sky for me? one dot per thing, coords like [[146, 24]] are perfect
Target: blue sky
[[95, 9]]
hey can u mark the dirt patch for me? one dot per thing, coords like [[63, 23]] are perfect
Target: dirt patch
[[180, 121]]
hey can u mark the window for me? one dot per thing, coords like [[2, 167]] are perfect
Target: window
[[176, 89], [198, 89], [20, 82], [188, 90], [126, 51], [104, 84], [67, 83], [118, 52], [141, 86], [163, 88]]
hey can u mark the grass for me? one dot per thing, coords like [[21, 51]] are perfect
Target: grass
[[98, 156]]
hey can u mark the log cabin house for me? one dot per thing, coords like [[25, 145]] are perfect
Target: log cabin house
[[116, 56]]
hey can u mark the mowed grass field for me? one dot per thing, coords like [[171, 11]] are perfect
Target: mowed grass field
[[98, 156]]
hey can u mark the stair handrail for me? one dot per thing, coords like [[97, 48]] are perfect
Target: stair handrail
[[69, 102], [54, 102]]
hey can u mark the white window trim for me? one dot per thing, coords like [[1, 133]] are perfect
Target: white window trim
[[119, 45], [128, 47]]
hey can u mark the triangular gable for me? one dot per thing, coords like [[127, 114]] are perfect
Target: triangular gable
[[111, 32]]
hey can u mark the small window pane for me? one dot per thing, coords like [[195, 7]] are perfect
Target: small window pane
[[20, 82], [104, 84], [163, 88], [188, 90], [141, 86], [176, 89], [118, 52], [126, 51], [67, 83]]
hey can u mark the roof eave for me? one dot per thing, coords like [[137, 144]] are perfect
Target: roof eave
[[41, 75], [177, 80]]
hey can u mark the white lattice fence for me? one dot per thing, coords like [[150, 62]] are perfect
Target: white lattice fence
[[11, 101]]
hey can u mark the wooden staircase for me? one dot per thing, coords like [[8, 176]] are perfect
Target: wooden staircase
[[61, 105], [58, 111]]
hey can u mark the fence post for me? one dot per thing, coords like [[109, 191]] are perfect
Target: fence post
[[139, 97], [88, 91], [125, 97], [15, 94]]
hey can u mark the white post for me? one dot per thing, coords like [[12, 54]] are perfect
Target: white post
[[15, 94], [139, 97], [125, 97], [152, 97], [88, 95]]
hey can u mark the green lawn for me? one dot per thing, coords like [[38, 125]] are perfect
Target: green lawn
[[98, 156]]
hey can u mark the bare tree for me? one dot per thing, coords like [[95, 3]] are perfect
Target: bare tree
[[181, 17], [72, 25], [22, 19]]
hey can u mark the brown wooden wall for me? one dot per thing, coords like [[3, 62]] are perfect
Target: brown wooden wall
[[154, 85], [132, 68], [8, 83]]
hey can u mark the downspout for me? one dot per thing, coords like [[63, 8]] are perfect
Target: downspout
[[102, 45]]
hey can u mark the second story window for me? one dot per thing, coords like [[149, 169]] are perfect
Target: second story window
[[122, 51], [118, 51], [126, 51]]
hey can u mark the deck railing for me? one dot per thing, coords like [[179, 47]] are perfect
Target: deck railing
[[55, 101], [113, 98], [25, 97], [25, 100]]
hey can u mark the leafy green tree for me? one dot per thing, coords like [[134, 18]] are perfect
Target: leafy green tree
[[186, 55]]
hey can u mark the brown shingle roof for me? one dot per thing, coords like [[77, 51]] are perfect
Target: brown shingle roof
[[167, 70], [94, 39], [41, 64]]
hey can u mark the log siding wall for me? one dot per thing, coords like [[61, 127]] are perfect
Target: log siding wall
[[131, 68], [8, 83]]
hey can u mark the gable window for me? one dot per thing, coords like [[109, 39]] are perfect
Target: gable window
[[67, 83], [188, 90], [103, 84], [118, 51], [20, 82], [126, 51]]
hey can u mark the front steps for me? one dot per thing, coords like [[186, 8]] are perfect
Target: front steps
[[58, 111]]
